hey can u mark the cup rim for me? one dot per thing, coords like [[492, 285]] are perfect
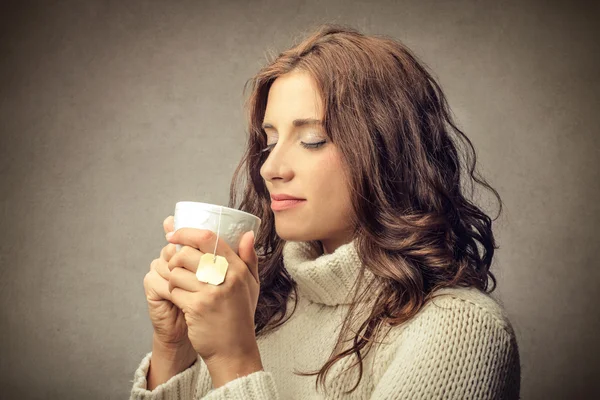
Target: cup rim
[[217, 206]]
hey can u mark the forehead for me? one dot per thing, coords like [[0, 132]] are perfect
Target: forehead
[[291, 96]]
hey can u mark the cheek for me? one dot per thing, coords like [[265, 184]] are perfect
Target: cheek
[[324, 173], [329, 181]]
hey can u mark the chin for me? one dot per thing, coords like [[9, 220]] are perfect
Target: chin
[[293, 235]]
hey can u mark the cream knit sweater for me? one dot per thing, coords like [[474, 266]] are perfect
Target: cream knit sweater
[[459, 346]]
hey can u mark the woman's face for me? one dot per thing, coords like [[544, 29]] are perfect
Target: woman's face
[[314, 174]]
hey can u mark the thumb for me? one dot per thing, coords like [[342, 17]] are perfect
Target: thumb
[[248, 254]]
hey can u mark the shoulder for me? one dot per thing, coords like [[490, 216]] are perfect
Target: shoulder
[[471, 305], [467, 318], [460, 343]]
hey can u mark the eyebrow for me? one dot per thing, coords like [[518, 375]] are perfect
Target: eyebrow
[[298, 122]]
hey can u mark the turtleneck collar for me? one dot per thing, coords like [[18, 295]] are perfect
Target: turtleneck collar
[[324, 278]]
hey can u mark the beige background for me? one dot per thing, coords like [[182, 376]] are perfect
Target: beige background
[[111, 111]]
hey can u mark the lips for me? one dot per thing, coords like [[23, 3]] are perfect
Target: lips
[[278, 205], [282, 196]]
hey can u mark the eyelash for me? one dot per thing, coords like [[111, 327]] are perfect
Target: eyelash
[[305, 145]]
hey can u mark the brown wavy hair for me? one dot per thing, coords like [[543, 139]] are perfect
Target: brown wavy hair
[[415, 230]]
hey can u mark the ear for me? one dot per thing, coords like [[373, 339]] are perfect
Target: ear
[[248, 254]]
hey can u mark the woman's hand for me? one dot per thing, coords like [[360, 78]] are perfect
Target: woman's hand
[[220, 318], [167, 319]]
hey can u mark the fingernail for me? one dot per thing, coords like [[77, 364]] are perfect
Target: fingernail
[[168, 235]]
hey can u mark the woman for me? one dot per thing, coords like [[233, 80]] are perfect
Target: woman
[[374, 281]]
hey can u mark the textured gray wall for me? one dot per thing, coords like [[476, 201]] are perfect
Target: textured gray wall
[[111, 111]]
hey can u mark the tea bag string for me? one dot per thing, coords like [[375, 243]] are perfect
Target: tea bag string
[[217, 241]]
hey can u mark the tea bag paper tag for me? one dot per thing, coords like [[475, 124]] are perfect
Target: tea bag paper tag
[[211, 270]]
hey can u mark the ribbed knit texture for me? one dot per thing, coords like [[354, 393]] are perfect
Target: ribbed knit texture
[[459, 346]]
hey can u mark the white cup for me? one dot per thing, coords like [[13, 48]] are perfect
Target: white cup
[[234, 223]]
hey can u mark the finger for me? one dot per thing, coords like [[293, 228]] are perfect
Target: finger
[[162, 268], [168, 251], [203, 240], [183, 299], [183, 279], [159, 285], [248, 255], [168, 224], [188, 258]]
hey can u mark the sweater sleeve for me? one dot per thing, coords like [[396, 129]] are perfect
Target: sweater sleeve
[[460, 352], [191, 384], [258, 385]]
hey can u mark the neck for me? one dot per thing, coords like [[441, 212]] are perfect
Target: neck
[[331, 244], [324, 278]]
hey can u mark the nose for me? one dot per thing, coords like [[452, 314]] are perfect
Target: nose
[[276, 165]]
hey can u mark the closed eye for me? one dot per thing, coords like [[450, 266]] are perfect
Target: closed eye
[[305, 145]]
